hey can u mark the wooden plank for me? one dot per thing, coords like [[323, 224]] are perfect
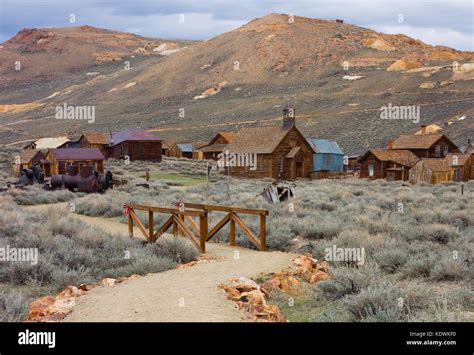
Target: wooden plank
[[130, 224], [253, 238], [193, 224], [151, 222], [203, 232], [209, 207], [263, 233], [186, 231], [139, 224], [218, 227], [232, 230], [166, 210], [163, 228]]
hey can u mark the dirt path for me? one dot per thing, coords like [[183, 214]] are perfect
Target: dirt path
[[185, 295]]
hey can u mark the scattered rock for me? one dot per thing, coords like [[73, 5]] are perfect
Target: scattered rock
[[211, 91], [446, 83], [129, 85], [108, 281], [201, 259], [352, 77], [428, 85], [466, 67], [400, 65]]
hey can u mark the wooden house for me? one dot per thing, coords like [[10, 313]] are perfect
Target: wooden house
[[90, 140], [217, 145], [168, 148], [387, 164], [432, 171], [26, 159], [270, 152], [184, 150], [462, 165], [425, 145], [353, 166], [327, 157], [61, 161], [136, 144], [47, 143]]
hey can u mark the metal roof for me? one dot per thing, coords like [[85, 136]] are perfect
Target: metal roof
[[185, 147], [324, 146], [133, 134], [77, 154]]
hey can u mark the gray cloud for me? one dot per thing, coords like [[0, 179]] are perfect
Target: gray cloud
[[433, 21]]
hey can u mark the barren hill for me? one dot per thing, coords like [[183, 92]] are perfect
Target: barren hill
[[337, 76]]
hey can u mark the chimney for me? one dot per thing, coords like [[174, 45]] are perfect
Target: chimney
[[390, 144], [423, 129], [288, 117]]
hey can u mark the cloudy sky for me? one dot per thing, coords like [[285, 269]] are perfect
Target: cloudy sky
[[448, 22]]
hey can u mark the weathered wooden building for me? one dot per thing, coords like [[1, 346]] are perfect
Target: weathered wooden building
[[168, 148], [184, 150], [26, 159], [217, 145], [431, 170], [462, 165], [270, 152], [91, 140], [47, 143], [61, 161], [387, 164], [425, 145], [135, 143]]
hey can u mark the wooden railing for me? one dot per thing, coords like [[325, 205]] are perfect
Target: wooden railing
[[183, 223]]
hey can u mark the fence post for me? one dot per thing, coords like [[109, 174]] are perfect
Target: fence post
[[130, 224], [263, 233], [203, 231], [150, 225], [232, 229], [175, 226]]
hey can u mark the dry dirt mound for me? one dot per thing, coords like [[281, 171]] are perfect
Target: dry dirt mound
[[400, 65]]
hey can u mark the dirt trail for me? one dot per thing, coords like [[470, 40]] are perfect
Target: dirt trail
[[185, 295]]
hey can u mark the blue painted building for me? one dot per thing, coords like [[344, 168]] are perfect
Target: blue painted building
[[185, 150], [327, 156]]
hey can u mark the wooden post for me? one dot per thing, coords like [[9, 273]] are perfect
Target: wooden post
[[263, 233], [130, 225], [175, 226], [180, 232], [203, 232], [150, 225], [232, 230]]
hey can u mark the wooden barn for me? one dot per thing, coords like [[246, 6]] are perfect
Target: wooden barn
[[273, 152], [135, 143], [217, 145], [432, 171], [387, 164], [462, 165], [27, 159], [61, 161], [90, 140], [425, 145]]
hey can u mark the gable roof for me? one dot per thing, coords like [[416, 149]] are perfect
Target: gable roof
[[324, 146], [185, 147], [27, 155], [417, 141], [76, 154], [49, 142], [96, 138], [228, 136], [259, 140], [436, 164], [168, 144], [402, 157], [462, 159], [133, 134], [214, 148]]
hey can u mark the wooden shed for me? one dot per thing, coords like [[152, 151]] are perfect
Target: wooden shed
[[462, 164], [91, 140], [26, 159], [185, 150], [276, 152], [63, 159], [135, 143], [216, 145], [432, 171], [168, 148], [328, 156], [425, 145], [387, 164]]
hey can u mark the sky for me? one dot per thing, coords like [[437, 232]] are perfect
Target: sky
[[437, 22]]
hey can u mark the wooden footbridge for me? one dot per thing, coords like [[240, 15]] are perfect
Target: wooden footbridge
[[191, 220]]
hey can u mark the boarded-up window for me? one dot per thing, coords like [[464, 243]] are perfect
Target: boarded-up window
[[437, 150]]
